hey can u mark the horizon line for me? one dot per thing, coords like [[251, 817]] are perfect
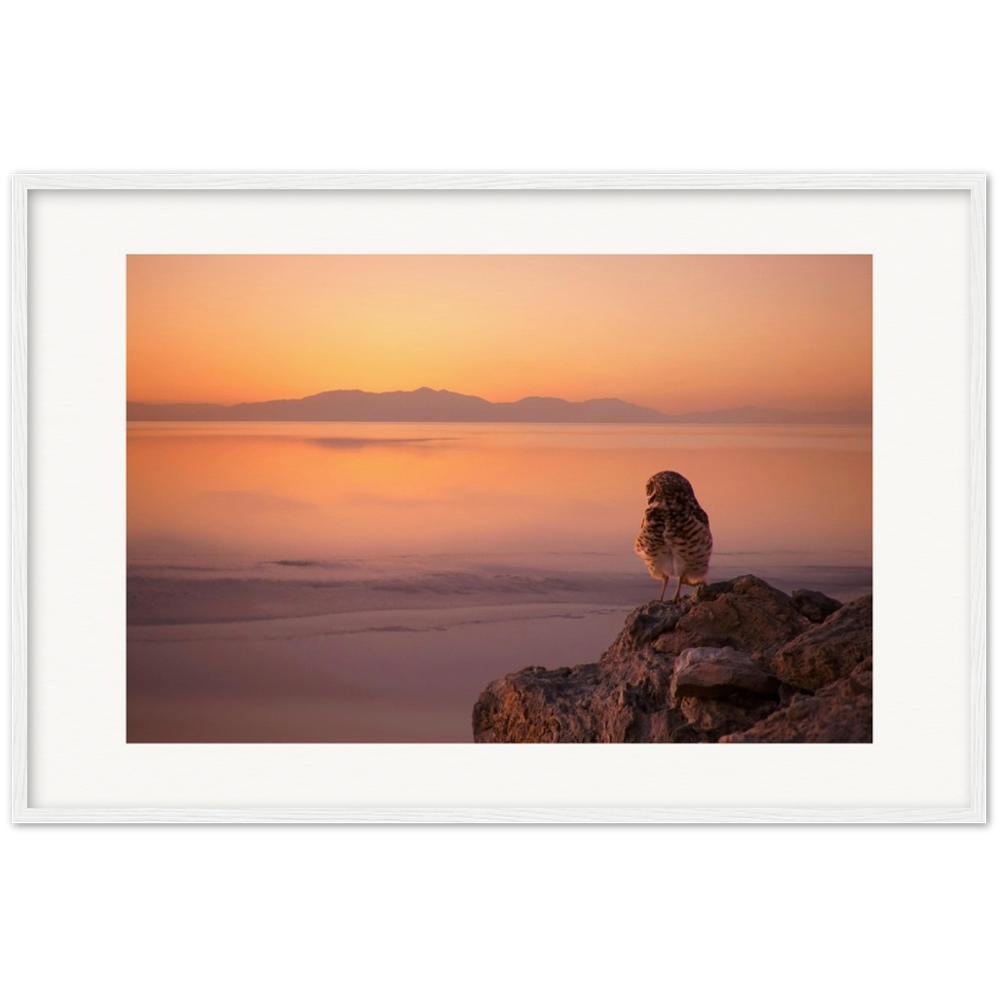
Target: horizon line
[[592, 399]]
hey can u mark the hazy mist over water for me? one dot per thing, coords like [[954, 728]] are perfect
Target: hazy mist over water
[[298, 582]]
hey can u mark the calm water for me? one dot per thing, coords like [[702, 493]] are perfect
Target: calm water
[[364, 582]]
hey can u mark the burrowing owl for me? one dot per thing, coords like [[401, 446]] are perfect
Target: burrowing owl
[[674, 539]]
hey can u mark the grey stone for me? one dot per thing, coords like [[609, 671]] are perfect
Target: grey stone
[[707, 672], [829, 650], [815, 606]]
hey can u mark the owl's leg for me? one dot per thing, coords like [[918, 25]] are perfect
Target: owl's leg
[[663, 590], [677, 592]]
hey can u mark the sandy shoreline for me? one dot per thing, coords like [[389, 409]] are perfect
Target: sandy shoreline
[[179, 595], [395, 649], [370, 676]]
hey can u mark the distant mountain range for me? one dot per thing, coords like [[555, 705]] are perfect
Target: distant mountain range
[[439, 405]]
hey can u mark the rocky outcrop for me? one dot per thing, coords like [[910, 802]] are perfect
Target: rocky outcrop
[[829, 650], [735, 662], [814, 605], [838, 713], [704, 672]]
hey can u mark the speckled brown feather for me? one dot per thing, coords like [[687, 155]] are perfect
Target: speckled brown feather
[[674, 538]]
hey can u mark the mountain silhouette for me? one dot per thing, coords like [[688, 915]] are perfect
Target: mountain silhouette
[[439, 405]]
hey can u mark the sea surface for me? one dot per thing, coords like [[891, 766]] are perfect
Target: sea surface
[[353, 582]]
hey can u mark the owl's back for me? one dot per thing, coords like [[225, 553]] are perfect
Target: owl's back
[[674, 538]]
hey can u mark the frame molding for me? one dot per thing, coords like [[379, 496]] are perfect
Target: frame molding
[[973, 183]]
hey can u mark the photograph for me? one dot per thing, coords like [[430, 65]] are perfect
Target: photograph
[[422, 498]]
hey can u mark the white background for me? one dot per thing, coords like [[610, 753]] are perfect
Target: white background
[[379, 912], [78, 757], [531, 80], [498, 918]]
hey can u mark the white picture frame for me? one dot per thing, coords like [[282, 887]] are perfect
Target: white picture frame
[[966, 803]]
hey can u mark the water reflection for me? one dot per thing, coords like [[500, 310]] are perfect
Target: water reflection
[[293, 491], [319, 582]]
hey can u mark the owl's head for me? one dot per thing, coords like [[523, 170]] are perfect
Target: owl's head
[[664, 484]]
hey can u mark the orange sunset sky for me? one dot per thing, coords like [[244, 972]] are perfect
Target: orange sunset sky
[[678, 333]]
